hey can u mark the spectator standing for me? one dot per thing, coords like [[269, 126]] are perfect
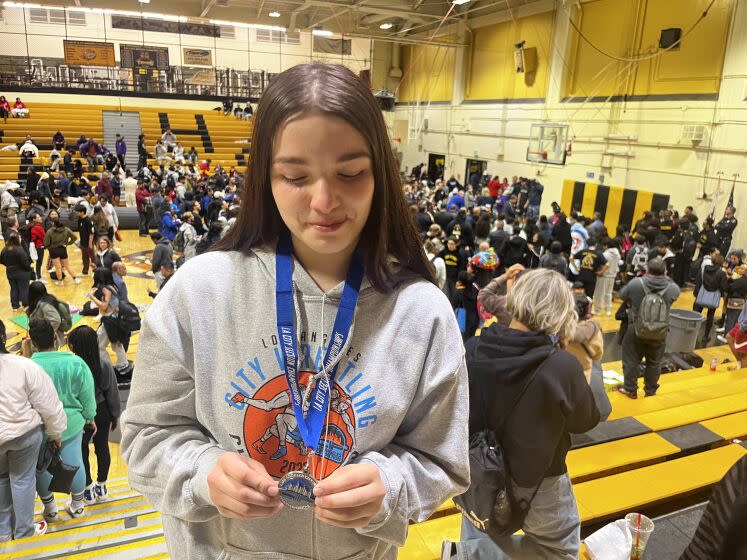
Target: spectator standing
[[86, 235], [4, 109], [119, 271], [74, 384], [129, 185], [112, 217], [93, 153], [592, 265], [711, 279], [120, 147], [83, 343], [105, 297], [43, 305], [169, 225], [164, 252], [537, 393], [190, 235], [18, 270], [554, 260], [439, 266], [606, 282], [29, 407], [142, 202], [38, 233], [725, 230], [56, 240], [642, 339], [142, 152], [105, 256]]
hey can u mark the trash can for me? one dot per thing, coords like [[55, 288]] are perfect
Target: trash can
[[124, 394], [684, 328]]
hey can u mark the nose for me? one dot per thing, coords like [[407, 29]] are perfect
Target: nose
[[324, 199]]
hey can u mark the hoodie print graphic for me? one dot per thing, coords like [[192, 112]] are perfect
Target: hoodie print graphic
[[267, 429]]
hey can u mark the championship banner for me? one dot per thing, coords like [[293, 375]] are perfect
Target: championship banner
[[617, 205], [144, 56], [89, 53], [198, 57]]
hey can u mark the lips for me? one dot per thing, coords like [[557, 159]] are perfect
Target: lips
[[328, 226]]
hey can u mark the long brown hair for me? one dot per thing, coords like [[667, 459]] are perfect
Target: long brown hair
[[333, 90]]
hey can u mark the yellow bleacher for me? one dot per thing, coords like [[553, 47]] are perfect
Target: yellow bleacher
[[226, 133]]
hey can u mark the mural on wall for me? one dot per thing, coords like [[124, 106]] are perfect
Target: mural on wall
[[164, 26], [144, 56], [88, 53], [197, 57]]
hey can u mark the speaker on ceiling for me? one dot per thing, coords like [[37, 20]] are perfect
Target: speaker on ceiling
[[669, 37]]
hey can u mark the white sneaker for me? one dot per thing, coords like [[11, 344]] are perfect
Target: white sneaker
[[89, 494], [721, 339], [76, 280], [40, 528], [75, 510], [50, 513], [609, 313], [102, 494], [721, 330], [58, 283]]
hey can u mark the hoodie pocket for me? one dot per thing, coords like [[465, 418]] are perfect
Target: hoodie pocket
[[234, 553]]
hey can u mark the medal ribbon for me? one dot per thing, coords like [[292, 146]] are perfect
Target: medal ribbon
[[311, 424]]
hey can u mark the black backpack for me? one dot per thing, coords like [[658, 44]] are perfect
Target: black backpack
[[129, 316], [489, 502], [652, 319]]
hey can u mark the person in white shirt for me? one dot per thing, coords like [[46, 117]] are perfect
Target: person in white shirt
[[179, 153], [168, 138], [129, 185], [162, 154], [190, 235], [55, 158], [28, 149], [111, 215], [29, 405]]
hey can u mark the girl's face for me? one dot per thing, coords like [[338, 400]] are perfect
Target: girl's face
[[322, 181], [103, 244]]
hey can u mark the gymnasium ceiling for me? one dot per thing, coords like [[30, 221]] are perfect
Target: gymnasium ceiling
[[409, 18]]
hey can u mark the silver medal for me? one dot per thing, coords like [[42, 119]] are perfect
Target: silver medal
[[297, 490]]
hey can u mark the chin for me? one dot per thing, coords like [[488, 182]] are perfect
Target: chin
[[330, 243]]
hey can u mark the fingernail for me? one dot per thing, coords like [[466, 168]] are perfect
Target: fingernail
[[318, 491]]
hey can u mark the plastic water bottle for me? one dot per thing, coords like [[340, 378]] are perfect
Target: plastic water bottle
[[714, 363]]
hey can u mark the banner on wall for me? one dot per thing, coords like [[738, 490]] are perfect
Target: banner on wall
[[198, 57], [617, 205], [89, 53], [144, 56]]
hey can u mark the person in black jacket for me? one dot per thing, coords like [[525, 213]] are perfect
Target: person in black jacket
[[536, 426], [465, 296], [707, 240], [735, 302], [515, 250], [711, 278], [725, 230], [561, 232], [18, 270], [455, 260], [142, 152]]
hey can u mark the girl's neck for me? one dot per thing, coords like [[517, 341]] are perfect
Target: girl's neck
[[327, 270]]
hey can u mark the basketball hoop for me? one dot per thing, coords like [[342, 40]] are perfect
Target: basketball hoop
[[540, 155]]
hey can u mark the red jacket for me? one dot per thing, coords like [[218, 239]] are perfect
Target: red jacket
[[19, 105], [140, 196], [104, 186], [494, 186], [5, 105], [37, 236]]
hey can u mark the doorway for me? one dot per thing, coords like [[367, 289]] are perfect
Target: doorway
[[436, 163], [474, 166]]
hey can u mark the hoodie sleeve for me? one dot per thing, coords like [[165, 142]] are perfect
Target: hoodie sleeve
[[428, 460]]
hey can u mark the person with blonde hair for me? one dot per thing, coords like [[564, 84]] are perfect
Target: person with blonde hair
[[533, 394]]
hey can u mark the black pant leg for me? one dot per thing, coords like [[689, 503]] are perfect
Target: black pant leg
[[101, 442], [654, 353]]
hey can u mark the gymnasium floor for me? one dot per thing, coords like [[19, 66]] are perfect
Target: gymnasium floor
[[127, 527]]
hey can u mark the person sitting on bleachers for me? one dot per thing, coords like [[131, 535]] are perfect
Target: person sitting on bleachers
[[110, 162], [179, 153], [28, 149], [4, 109], [55, 159], [58, 141], [93, 153], [19, 109], [168, 138], [248, 111], [161, 153]]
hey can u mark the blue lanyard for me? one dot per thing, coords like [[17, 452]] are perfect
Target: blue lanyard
[[311, 424]]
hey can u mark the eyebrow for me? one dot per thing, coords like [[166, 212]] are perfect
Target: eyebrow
[[301, 161]]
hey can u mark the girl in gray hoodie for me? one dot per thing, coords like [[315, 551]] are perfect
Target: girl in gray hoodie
[[222, 402]]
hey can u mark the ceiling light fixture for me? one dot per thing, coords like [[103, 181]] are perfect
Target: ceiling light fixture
[[144, 1], [274, 14], [321, 33], [386, 26], [459, 2]]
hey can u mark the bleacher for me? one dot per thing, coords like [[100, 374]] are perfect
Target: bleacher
[[214, 136]]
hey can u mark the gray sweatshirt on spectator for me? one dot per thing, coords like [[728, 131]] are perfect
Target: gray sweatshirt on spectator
[[209, 380]]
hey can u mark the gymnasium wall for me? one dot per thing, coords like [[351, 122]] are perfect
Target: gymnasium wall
[[638, 144], [428, 73]]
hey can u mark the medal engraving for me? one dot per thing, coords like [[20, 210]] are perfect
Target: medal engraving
[[297, 490]]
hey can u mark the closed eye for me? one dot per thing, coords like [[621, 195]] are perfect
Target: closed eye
[[294, 180], [351, 176]]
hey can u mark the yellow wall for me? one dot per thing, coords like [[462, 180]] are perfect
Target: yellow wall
[[427, 73], [630, 29], [492, 74]]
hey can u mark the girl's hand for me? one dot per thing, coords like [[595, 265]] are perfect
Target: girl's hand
[[241, 488], [350, 497]]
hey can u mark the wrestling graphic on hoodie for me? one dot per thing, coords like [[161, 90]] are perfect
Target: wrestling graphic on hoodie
[[269, 431]]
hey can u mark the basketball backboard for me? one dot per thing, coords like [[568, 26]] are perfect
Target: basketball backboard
[[547, 143]]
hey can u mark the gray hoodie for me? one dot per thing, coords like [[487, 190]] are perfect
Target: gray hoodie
[[209, 380], [633, 292]]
